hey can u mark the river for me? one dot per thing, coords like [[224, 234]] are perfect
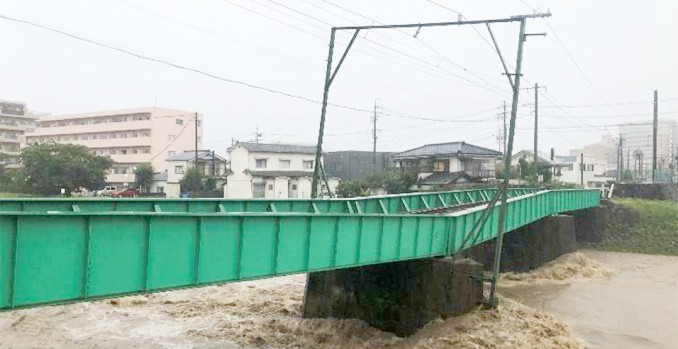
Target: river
[[637, 307]]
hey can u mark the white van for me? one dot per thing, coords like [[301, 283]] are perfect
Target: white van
[[107, 190]]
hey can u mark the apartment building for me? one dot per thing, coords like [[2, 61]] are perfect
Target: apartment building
[[261, 170], [128, 136], [637, 146], [14, 123]]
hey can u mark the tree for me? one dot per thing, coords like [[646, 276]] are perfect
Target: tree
[[352, 188], [391, 180], [143, 175], [49, 167], [192, 180]]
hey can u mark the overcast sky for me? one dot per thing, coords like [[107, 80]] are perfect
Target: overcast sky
[[620, 52]]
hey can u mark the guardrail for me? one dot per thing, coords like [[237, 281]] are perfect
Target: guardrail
[[389, 204], [55, 257]]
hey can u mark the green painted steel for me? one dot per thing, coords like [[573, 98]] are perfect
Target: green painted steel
[[390, 204], [56, 257]]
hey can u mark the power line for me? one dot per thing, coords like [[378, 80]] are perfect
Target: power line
[[185, 68], [608, 104], [427, 64], [574, 61]]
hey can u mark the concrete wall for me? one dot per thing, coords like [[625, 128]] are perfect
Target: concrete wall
[[351, 165], [531, 246], [657, 191]]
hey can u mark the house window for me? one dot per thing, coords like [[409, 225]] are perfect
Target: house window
[[294, 187], [260, 163], [439, 166], [284, 163], [270, 187], [258, 190], [338, 166], [179, 169], [179, 122], [308, 164], [589, 167], [161, 190]]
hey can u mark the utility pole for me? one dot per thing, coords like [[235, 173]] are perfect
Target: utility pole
[[214, 167], [195, 128], [581, 169], [502, 138], [655, 122], [620, 158], [257, 135], [535, 169], [374, 136]]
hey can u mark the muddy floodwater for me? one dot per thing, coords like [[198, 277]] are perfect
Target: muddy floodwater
[[590, 299], [635, 308]]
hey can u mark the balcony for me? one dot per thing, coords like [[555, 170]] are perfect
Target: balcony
[[482, 173], [93, 128]]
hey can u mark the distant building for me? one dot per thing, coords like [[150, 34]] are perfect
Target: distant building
[[260, 170], [129, 136], [446, 164], [353, 164], [14, 123], [637, 147], [209, 164]]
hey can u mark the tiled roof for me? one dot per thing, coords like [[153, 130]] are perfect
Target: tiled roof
[[277, 148], [281, 173], [452, 148], [189, 155], [443, 178]]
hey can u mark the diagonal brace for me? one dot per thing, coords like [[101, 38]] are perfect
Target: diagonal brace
[[343, 57]]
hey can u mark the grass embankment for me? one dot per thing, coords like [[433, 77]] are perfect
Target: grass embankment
[[653, 230]]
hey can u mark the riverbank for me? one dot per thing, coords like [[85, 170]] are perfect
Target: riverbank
[[640, 226]]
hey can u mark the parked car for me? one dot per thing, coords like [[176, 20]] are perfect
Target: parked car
[[81, 192], [107, 190], [125, 193]]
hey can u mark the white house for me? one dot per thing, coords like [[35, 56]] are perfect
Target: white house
[[447, 164], [209, 163], [260, 170], [595, 171]]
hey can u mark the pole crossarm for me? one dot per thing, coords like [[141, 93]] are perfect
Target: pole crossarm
[[517, 18]]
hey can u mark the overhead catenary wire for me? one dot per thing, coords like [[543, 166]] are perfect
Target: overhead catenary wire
[[395, 53]]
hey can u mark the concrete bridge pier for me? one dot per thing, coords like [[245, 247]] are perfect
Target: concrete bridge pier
[[398, 297], [401, 297]]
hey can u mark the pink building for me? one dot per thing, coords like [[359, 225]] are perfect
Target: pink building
[[129, 136]]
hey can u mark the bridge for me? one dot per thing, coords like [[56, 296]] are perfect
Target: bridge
[[65, 250]]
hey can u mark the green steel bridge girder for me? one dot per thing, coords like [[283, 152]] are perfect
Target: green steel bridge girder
[[390, 204], [56, 257]]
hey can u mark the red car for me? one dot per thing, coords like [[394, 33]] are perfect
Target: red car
[[126, 193]]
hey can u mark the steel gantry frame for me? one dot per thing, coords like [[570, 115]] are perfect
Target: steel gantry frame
[[501, 195]]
